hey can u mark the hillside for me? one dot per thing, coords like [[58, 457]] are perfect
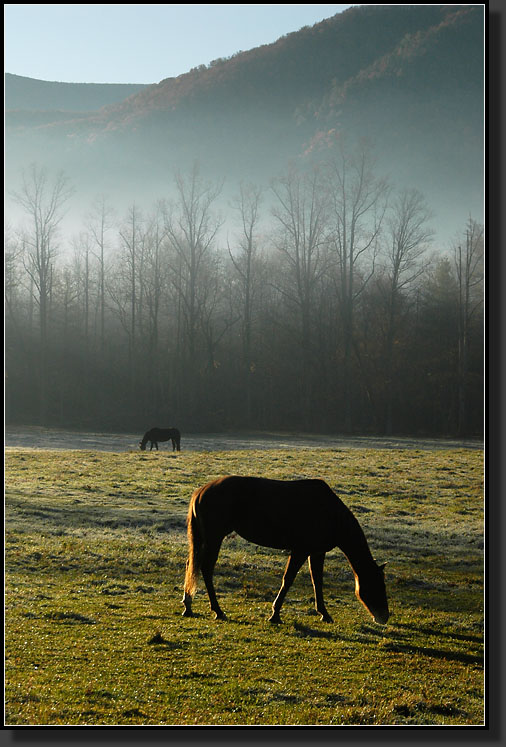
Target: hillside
[[28, 94], [409, 78]]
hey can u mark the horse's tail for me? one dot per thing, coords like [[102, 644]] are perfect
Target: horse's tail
[[194, 546]]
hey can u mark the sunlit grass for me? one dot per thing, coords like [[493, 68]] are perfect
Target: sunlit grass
[[95, 555]]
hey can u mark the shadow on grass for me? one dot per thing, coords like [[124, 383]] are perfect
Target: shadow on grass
[[431, 631], [97, 517], [395, 646], [434, 653], [307, 632]]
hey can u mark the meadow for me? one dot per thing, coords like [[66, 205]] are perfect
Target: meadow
[[95, 556]]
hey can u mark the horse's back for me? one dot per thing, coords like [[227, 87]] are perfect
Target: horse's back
[[162, 434], [263, 489]]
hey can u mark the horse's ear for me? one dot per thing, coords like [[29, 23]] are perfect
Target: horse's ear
[[382, 566]]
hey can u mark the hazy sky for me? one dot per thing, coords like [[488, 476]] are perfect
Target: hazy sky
[[140, 43]]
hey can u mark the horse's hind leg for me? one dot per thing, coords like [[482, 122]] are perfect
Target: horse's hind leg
[[316, 570], [209, 555], [187, 598], [293, 566]]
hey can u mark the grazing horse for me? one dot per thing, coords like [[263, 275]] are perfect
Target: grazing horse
[[303, 516], [161, 434]]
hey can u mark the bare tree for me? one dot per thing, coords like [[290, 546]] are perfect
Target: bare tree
[[358, 203], [469, 267], [82, 272], [245, 262], [132, 239], [12, 281], [15, 330], [99, 222], [408, 238], [301, 212], [43, 203], [191, 228], [153, 280], [216, 314]]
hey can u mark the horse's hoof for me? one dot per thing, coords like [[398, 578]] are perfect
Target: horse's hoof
[[220, 616], [275, 619], [326, 619], [187, 613]]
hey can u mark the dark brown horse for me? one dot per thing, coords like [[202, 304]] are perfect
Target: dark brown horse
[[161, 434], [303, 516]]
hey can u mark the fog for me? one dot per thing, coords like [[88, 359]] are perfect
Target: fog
[[344, 295], [292, 312], [130, 173]]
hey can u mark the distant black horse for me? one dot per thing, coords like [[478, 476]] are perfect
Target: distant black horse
[[161, 434]]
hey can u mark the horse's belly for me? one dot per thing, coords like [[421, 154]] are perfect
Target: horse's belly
[[284, 538], [266, 537]]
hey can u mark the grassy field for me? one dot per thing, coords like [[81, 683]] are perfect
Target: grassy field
[[95, 555]]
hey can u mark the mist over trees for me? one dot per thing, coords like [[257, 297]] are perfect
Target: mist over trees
[[326, 306]]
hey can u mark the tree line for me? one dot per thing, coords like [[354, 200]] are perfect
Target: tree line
[[325, 307]]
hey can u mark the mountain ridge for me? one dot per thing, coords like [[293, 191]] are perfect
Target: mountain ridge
[[408, 78], [168, 93], [31, 94]]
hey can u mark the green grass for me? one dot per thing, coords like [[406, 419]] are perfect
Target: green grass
[[95, 555]]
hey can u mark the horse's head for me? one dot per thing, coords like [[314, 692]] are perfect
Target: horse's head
[[142, 445], [370, 590]]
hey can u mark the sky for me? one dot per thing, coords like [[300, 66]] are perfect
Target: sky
[[140, 43]]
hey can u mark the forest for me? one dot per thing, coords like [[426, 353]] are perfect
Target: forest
[[321, 303]]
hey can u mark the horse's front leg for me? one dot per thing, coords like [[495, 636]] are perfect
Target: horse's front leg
[[293, 566], [316, 570]]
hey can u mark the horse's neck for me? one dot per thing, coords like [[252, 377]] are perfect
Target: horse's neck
[[355, 547]]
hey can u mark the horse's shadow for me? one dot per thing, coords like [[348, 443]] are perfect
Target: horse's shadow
[[393, 645], [435, 653], [429, 631], [305, 631]]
